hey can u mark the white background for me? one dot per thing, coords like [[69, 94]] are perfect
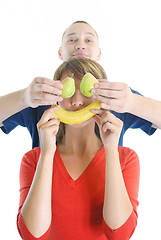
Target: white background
[[130, 38]]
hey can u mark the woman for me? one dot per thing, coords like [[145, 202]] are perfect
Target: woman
[[78, 185]]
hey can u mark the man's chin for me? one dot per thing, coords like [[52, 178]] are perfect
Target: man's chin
[[80, 56]]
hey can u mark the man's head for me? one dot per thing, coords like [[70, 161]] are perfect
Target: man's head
[[79, 40]]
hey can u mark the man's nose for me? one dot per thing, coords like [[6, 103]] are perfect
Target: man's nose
[[80, 45]]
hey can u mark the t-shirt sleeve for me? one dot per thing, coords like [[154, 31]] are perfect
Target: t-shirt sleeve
[[137, 122], [134, 122], [24, 232], [122, 233], [12, 122], [27, 171], [25, 118], [131, 173]]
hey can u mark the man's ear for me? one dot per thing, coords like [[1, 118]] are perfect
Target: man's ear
[[60, 53]]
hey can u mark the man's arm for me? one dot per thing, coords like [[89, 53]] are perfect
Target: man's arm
[[148, 109], [10, 104], [119, 98], [41, 91]]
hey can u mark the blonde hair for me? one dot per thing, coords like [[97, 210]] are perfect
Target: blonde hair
[[78, 67]]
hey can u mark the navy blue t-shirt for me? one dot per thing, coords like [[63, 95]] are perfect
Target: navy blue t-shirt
[[29, 118]]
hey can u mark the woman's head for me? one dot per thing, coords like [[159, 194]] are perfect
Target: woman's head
[[77, 68]]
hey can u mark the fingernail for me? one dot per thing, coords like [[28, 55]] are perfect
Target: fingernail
[[60, 86], [103, 105], [60, 92]]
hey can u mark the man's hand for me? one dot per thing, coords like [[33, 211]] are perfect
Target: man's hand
[[42, 91], [113, 96]]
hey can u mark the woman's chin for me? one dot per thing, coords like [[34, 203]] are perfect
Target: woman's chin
[[82, 124]]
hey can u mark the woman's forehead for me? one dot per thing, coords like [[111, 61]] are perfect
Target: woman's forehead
[[72, 74]]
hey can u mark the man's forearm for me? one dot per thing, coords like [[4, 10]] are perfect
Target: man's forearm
[[148, 109], [11, 104]]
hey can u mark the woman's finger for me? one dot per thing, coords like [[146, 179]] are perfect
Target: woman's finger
[[47, 115], [99, 112], [108, 126], [108, 117], [51, 122], [97, 119]]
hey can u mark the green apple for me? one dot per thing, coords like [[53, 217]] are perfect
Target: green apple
[[68, 89], [87, 84]]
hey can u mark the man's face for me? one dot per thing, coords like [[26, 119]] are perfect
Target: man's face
[[79, 40]]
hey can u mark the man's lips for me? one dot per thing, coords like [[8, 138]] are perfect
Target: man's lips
[[80, 54]]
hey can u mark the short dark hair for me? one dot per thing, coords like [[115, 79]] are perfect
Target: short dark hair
[[80, 21]]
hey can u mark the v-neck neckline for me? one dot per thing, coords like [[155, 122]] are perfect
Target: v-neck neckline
[[65, 172]]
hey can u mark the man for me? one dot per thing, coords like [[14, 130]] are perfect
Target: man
[[25, 107]]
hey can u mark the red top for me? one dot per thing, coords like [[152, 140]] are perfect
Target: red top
[[77, 206]]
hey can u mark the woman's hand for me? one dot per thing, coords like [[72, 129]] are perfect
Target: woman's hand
[[110, 127], [42, 91], [48, 127]]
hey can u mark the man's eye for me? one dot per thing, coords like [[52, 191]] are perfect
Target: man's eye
[[72, 40], [89, 40]]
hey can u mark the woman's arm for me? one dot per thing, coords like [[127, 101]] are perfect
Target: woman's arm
[[36, 210], [130, 172], [36, 94], [117, 205]]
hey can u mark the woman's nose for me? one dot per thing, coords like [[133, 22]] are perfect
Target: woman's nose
[[77, 99]]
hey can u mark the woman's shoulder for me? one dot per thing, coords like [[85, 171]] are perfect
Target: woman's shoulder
[[32, 156], [127, 156]]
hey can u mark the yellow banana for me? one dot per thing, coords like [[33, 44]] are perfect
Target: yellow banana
[[76, 116]]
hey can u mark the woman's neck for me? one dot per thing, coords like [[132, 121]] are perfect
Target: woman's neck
[[80, 140]]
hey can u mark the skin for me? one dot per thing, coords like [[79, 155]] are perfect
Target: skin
[[76, 146], [80, 40]]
